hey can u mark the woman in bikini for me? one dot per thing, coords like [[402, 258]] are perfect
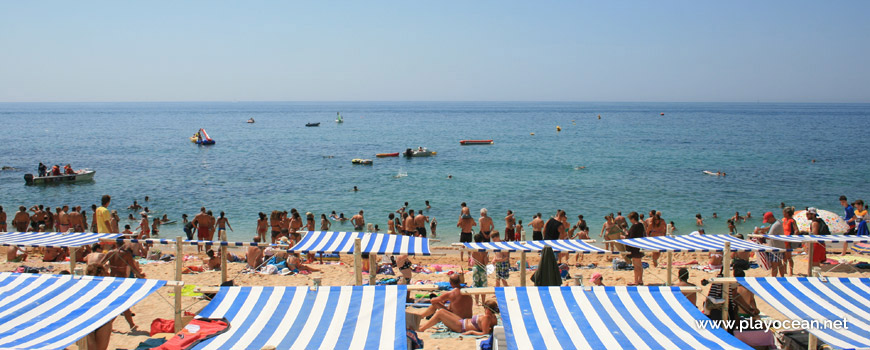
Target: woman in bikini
[[476, 325], [262, 225], [324, 223]]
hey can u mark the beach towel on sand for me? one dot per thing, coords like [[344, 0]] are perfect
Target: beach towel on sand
[[196, 331]]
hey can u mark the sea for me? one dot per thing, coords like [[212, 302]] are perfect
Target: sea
[[586, 158]]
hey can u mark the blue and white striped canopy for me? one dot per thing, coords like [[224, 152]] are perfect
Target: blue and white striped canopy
[[52, 239], [802, 298], [820, 238], [39, 311], [350, 317], [372, 243], [695, 243], [192, 242], [568, 246], [606, 318]]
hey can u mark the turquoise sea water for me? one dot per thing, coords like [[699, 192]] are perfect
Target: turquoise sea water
[[635, 158]]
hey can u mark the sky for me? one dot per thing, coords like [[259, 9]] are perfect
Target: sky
[[644, 51]]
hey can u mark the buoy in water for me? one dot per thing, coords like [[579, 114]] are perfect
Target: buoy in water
[[531, 133], [599, 117], [558, 128], [662, 113]]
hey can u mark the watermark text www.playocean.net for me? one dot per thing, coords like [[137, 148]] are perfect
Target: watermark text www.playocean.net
[[768, 324]]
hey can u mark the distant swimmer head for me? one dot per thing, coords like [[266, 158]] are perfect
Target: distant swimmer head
[[449, 176]]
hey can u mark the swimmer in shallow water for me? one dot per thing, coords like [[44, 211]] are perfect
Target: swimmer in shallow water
[[449, 176]]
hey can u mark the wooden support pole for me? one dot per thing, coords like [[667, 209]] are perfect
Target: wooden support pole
[[726, 287], [72, 259], [179, 258], [357, 261], [224, 266], [523, 261], [810, 247], [812, 342], [670, 268], [373, 270]]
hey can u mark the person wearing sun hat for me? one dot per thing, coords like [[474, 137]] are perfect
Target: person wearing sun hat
[[596, 279]]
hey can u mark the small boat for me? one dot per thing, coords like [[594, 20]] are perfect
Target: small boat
[[713, 173], [251, 121], [361, 161], [201, 138], [339, 119], [475, 142], [419, 152], [79, 176], [384, 155], [312, 124]]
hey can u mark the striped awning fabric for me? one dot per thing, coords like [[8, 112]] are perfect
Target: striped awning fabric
[[40, 311], [194, 242], [52, 239], [372, 243], [695, 243], [821, 299], [349, 317], [820, 238], [568, 246], [606, 318]]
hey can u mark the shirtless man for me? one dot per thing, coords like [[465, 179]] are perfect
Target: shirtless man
[[76, 220], [537, 225], [466, 222], [486, 224], [21, 219], [213, 262], [683, 281], [254, 255], [2, 220], [359, 223], [408, 225], [222, 224], [15, 254], [460, 304], [54, 254], [620, 220], [38, 217], [509, 223], [135, 206], [201, 222], [211, 225], [420, 221]]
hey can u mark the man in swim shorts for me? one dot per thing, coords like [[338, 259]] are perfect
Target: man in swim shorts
[[420, 221], [359, 222], [509, 223], [466, 222], [537, 225], [486, 224]]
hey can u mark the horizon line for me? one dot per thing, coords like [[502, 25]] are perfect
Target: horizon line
[[419, 101]]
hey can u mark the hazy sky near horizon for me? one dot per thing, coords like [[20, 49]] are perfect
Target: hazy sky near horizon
[[670, 51]]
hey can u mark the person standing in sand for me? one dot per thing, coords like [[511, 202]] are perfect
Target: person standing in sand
[[478, 266], [465, 225], [420, 221], [63, 219], [619, 220], [486, 225], [358, 222], [144, 227], [76, 220], [122, 265], [201, 222], [775, 228], [262, 226], [212, 224], [391, 224], [537, 225], [636, 231], [789, 227], [21, 219], [102, 216], [849, 212], [656, 228], [509, 223], [502, 262]]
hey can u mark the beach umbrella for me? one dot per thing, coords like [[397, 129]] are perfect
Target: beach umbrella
[[547, 273], [835, 223]]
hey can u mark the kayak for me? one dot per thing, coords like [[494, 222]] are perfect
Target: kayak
[[711, 173], [382, 155], [475, 142], [312, 124]]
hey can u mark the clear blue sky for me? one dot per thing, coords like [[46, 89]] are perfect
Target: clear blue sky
[[781, 51]]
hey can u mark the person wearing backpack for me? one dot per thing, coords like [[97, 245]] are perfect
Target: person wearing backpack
[[817, 227]]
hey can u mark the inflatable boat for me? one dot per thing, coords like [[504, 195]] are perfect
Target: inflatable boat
[[475, 142], [312, 124], [361, 161], [201, 138]]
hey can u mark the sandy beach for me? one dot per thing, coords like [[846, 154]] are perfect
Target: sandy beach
[[336, 273]]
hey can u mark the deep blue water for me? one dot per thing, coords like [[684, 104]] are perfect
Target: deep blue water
[[635, 158]]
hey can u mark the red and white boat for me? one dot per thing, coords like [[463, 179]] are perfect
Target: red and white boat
[[475, 142]]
